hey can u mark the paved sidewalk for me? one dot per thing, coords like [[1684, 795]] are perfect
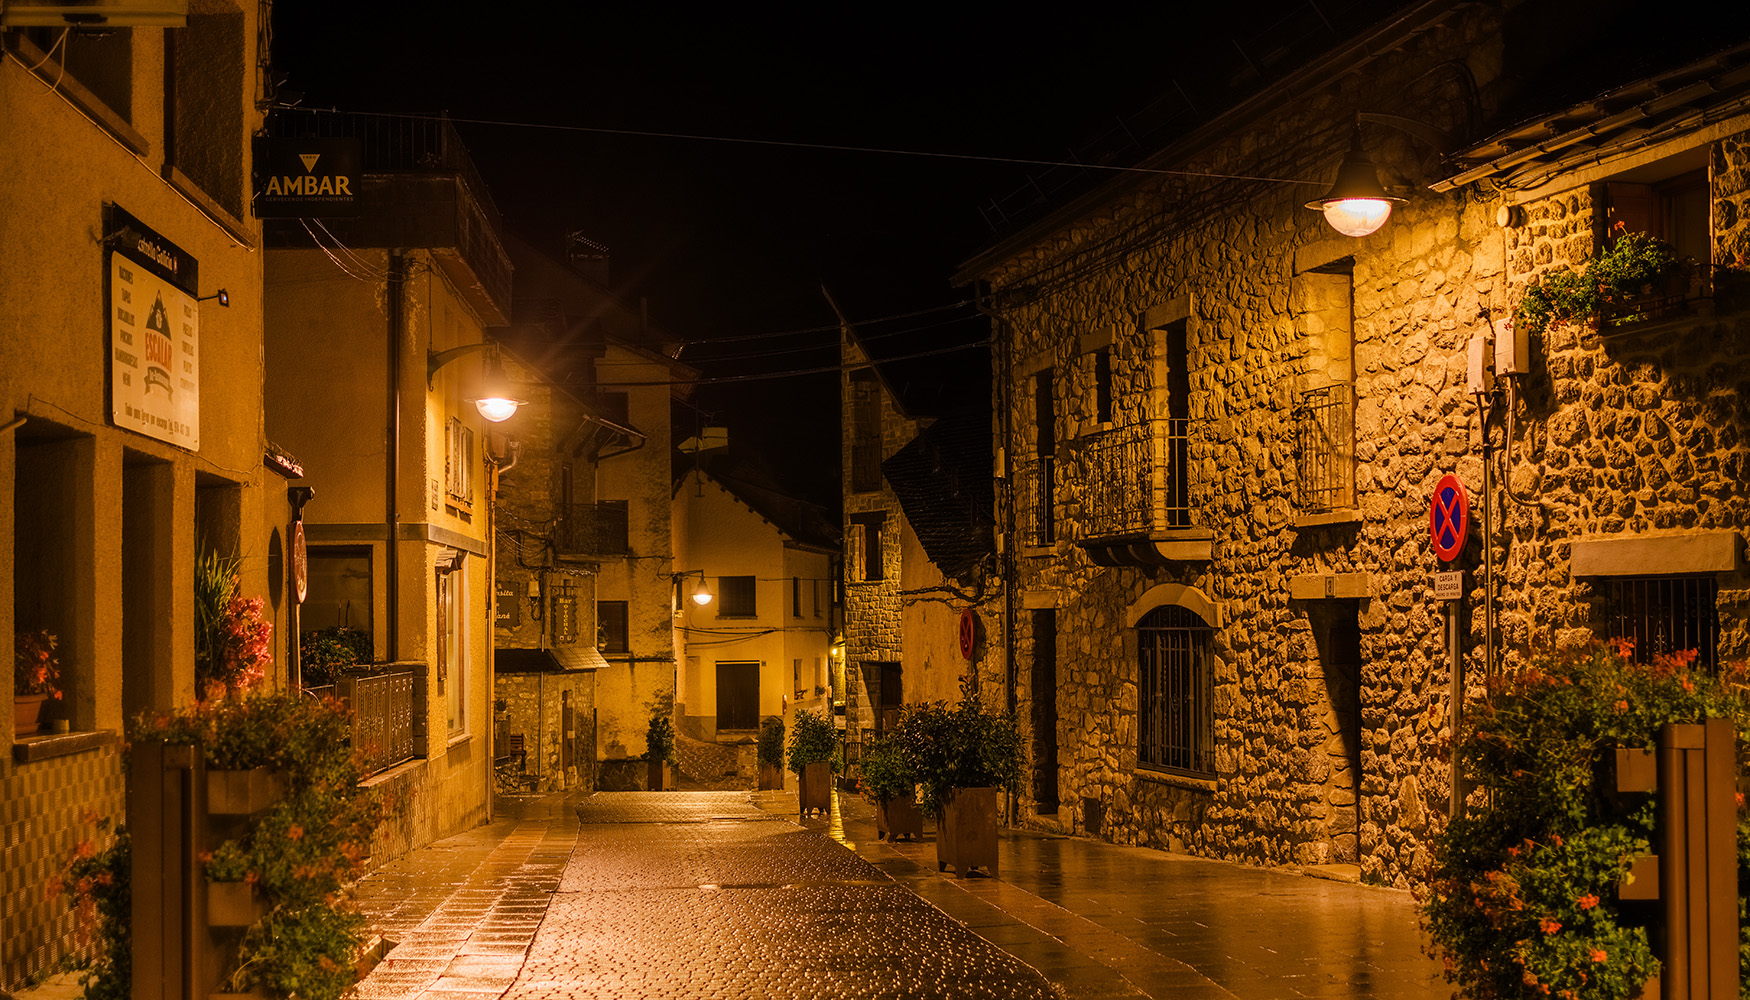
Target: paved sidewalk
[[702, 894]]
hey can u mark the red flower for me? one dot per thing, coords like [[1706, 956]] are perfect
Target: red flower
[[1598, 955], [1549, 926], [1622, 706], [1587, 901]]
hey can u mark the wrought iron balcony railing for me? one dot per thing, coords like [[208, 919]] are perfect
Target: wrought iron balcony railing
[[1324, 431], [1138, 480], [593, 529]]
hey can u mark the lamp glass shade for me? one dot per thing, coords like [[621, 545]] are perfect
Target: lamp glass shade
[[497, 408], [1357, 216], [701, 593]]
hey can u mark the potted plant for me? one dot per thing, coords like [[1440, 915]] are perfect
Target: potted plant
[[233, 899], [324, 653], [35, 671], [888, 781], [1617, 282], [814, 745], [771, 753], [962, 757], [659, 751]]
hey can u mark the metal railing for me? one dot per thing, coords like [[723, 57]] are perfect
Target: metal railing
[[1137, 479], [1036, 501], [382, 714], [1324, 432], [593, 529]]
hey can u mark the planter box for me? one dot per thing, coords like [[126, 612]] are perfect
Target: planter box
[[234, 904], [814, 790], [771, 778], [243, 793], [898, 817], [967, 836], [661, 776]]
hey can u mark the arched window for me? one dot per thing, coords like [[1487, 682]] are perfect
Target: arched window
[[1174, 691]]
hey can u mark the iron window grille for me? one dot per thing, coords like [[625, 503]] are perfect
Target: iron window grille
[[1324, 431], [1663, 615], [1175, 726], [1036, 495]]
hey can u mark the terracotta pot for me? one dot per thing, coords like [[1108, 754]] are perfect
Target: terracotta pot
[[771, 778], [27, 712], [898, 817], [243, 793], [234, 904], [814, 791], [966, 838]]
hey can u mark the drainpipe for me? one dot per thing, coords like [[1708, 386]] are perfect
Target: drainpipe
[[392, 496], [1006, 414]]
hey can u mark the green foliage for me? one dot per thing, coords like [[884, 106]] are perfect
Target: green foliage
[[302, 851], [659, 739], [97, 881], [35, 667], [215, 583], [813, 739], [321, 653], [886, 774], [965, 746], [1521, 899], [1613, 275], [771, 745]]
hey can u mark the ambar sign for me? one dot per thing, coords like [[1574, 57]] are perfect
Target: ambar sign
[[306, 178]]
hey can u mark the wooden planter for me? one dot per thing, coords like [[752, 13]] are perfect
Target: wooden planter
[[234, 904], [814, 790], [898, 817], [966, 838], [771, 778], [243, 793], [661, 776]]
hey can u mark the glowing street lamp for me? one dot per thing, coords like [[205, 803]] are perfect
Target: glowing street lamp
[[1357, 204]]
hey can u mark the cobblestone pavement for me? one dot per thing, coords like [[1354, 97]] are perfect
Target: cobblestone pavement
[[723, 894]]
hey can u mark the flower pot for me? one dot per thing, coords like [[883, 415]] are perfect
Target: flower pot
[[814, 790], [243, 793], [234, 904], [661, 776], [27, 712], [898, 817], [771, 778], [966, 838]]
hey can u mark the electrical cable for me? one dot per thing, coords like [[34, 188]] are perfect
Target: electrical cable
[[721, 379]]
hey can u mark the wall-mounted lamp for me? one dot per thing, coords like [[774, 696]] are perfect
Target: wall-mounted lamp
[[1357, 204], [223, 296], [702, 593], [496, 401]]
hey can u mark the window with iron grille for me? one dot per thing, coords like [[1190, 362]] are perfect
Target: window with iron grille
[[735, 597], [1174, 692], [1663, 614], [1324, 431], [611, 630]]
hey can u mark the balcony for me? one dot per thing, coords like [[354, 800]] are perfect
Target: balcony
[[1140, 497], [593, 530], [1324, 435]]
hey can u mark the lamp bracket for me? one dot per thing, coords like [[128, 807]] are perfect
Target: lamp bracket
[[1441, 141], [435, 360]]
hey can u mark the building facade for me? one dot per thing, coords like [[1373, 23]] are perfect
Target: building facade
[[131, 390], [1224, 424]]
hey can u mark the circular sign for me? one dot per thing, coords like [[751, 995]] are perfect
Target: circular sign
[[1449, 517], [300, 563], [968, 633]]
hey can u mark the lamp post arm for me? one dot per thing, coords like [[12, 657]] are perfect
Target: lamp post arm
[[435, 360]]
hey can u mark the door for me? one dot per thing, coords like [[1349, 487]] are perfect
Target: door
[[1044, 715], [738, 696]]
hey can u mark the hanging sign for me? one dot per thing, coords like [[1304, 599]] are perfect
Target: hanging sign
[[154, 333], [303, 178], [968, 633], [1449, 517]]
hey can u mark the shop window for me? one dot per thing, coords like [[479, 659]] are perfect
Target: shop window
[[1175, 692], [735, 597]]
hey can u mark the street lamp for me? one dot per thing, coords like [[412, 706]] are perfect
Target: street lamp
[[495, 402], [1357, 204], [701, 594]]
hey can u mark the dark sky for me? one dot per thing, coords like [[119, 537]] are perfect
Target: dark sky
[[730, 240]]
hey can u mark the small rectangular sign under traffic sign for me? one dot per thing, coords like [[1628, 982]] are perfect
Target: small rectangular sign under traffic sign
[[1449, 586]]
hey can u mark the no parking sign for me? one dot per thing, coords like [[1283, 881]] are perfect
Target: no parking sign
[[1449, 517]]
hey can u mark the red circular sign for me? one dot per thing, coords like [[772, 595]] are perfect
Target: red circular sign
[[968, 633], [1449, 517]]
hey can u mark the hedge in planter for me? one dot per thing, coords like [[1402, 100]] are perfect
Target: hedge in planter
[[771, 753], [887, 779], [961, 747], [1521, 900], [814, 755], [659, 750]]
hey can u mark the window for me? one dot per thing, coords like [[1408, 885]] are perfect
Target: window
[[1176, 352], [204, 116], [1663, 614], [611, 627], [614, 527], [796, 597], [1174, 692], [738, 696], [796, 675], [1675, 210], [1038, 486], [816, 587], [735, 597], [865, 432], [1102, 362], [102, 63], [452, 635], [866, 556], [459, 462], [1323, 302]]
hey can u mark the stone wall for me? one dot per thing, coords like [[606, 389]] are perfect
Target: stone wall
[[1330, 676], [534, 708]]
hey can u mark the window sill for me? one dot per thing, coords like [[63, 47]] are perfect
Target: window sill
[[1346, 515], [457, 739], [1037, 551], [738, 618], [1185, 781], [32, 748], [89, 104], [210, 208]]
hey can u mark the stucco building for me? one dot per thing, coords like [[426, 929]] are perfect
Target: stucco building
[[1222, 422], [131, 435]]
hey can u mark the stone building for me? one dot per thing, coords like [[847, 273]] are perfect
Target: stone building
[[375, 352], [584, 542], [1223, 423], [131, 437]]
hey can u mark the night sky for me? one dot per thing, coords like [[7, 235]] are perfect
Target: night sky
[[735, 240]]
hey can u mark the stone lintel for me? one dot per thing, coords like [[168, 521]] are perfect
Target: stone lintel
[[1325, 586], [1185, 781], [1655, 555], [1039, 600]]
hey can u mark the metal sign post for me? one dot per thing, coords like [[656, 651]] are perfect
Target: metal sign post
[[1449, 528]]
